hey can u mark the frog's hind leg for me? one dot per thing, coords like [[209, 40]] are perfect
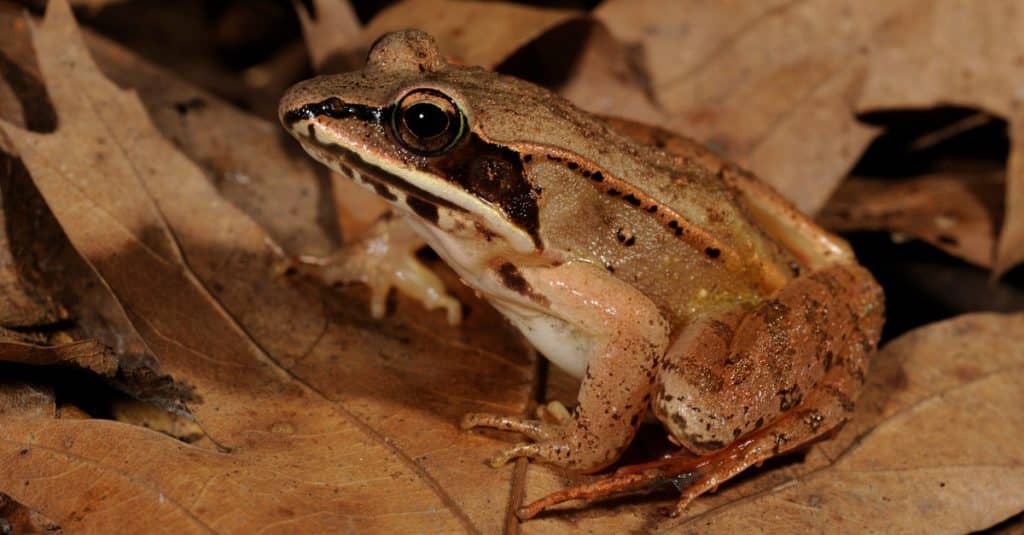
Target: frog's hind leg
[[825, 405]]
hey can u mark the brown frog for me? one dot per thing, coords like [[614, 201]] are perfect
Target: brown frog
[[671, 282]]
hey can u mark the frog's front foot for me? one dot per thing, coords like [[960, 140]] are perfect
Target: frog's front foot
[[383, 260]]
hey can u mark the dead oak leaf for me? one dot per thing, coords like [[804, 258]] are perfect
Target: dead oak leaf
[[933, 53], [955, 212], [87, 354], [777, 85], [473, 33], [564, 50], [330, 27], [355, 447], [769, 84]]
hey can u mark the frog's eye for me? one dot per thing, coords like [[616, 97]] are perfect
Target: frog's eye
[[428, 122]]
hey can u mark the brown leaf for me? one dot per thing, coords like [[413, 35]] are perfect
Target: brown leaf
[[946, 52], [1010, 250], [86, 354], [768, 84], [322, 422], [16, 518], [475, 33], [943, 450], [21, 400], [331, 28], [951, 211], [602, 78]]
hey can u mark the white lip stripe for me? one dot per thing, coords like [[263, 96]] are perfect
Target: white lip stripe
[[520, 240]]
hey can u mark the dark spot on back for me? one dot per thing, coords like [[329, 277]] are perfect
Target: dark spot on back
[[712, 252]]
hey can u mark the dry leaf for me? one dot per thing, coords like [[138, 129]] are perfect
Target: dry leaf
[[16, 518], [933, 53], [21, 400], [318, 425], [777, 85], [768, 84], [86, 354], [330, 29], [474, 33], [320, 418], [953, 212]]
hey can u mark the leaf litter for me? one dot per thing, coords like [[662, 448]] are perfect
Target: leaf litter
[[356, 426]]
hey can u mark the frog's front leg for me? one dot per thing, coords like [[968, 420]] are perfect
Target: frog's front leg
[[385, 258], [622, 336]]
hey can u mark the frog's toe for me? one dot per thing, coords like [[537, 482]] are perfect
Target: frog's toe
[[554, 412], [519, 450], [534, 429]]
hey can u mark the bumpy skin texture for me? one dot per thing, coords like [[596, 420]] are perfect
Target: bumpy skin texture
[[667, 279]]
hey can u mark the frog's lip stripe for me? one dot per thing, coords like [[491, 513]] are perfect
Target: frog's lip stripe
[[522, 209], [334, 108], [379, 176]]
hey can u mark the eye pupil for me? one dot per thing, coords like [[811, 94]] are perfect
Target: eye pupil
[[426, 120]]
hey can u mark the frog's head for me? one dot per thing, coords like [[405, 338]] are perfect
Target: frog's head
[[409, 126]]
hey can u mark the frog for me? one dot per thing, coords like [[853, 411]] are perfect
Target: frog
[[671, 283]]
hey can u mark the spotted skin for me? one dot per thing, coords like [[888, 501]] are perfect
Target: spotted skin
[[660, 275], [826, 405], [718, 370]]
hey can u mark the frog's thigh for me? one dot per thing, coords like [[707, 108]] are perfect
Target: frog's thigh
[[731, 374], [627, 336]]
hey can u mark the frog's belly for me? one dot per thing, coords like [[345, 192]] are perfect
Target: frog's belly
[[562, 344]]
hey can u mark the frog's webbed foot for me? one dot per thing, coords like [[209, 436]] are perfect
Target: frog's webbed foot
[[384, 259]]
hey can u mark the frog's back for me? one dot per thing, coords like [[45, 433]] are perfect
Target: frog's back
[[667, 225]]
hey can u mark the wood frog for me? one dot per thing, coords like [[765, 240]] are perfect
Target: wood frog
[[674, 282]]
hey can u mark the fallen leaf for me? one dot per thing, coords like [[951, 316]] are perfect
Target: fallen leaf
[[16, 518], [777, 86], [330, 28], [22, 400], [1010, 251], [474, 33], [953, 212], [948, 52], [87, 354], [770, 85], [319, 421]]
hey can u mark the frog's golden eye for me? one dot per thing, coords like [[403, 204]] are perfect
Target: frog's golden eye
[[428, 122]]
